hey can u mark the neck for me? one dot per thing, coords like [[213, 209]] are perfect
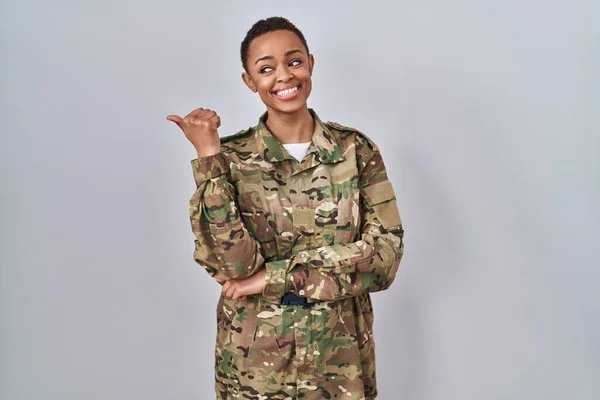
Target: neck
[[291, 128]]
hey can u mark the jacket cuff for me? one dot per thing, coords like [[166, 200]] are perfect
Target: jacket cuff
[[276, 280], [209, 167]]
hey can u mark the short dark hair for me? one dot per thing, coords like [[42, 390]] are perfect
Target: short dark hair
[[265, 26]]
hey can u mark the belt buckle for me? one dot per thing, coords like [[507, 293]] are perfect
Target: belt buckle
[[292, 299]]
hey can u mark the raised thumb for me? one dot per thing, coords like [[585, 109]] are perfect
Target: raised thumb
[[175, 118]]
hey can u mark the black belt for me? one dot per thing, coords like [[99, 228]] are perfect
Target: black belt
[[291, 298]]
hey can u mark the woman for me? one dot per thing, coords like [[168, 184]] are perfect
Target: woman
[[297, 220]]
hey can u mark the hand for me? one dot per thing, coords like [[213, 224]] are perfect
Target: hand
[[239, 289], [201, 129]]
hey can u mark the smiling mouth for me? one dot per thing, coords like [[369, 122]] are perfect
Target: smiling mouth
[[284, 93]]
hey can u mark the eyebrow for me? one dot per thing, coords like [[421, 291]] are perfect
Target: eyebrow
[[287, 53]]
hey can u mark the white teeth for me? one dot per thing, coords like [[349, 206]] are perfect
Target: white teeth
[[286, 91]]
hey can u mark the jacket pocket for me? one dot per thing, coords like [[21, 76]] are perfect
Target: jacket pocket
[[382, 198]]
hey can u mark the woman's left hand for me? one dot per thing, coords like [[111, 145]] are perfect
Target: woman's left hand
[[238, 289]]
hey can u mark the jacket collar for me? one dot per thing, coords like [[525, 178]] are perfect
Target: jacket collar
[[323, 148]]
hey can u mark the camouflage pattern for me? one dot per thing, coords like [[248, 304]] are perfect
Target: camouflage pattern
[[326, 228]]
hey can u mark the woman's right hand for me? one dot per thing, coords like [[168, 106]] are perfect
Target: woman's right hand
[[201, 129]]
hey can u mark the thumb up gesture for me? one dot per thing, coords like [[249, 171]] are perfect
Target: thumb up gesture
[[201, 129]]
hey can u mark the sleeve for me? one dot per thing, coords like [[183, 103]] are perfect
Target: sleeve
[[345, 270], [223, 245]]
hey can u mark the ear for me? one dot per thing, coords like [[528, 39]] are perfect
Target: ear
[[248, 81], [311, 63]]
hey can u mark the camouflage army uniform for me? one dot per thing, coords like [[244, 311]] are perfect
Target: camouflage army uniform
[[327, 229]]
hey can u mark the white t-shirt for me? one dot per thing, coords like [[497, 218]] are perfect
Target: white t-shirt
[[297, 150]]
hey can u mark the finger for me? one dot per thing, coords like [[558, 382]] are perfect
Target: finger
[[205, 115], [224, 292], [220, 282], [175, 118], [200, 112], [194, 112], [239, 295], [230, 291], [216, 120], [239, 292]]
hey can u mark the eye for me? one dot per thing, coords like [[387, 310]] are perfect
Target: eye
[[265, 70], [295, 62]]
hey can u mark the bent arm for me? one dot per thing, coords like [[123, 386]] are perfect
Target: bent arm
[[223, 245], [345, 270]]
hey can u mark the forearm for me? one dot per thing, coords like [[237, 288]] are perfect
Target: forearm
[[336, 272], [371, 274], [223, 245]]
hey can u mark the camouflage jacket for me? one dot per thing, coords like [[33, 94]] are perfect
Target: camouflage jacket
[[326, 228]]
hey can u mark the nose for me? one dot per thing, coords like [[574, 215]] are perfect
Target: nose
[[284, 74]]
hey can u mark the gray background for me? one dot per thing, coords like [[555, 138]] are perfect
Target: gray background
[[487, 116]]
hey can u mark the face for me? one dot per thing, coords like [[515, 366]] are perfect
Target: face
[[279, 70]]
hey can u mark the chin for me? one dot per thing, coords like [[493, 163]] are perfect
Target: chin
[[291, 107]]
